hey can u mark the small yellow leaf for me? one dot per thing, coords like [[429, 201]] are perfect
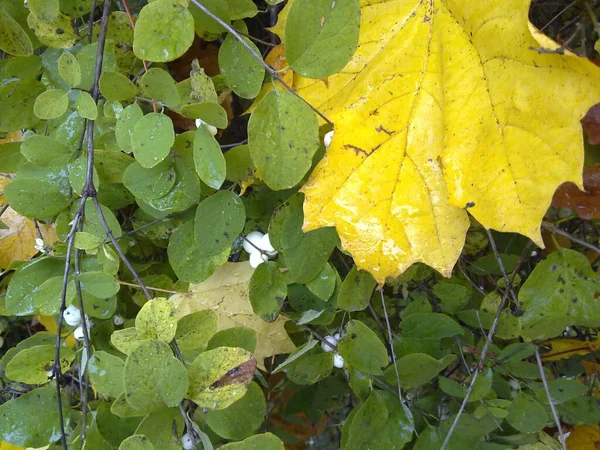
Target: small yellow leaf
[[18, 241], [279, 28], [584, 438], [226, 293], [447, 106], [566, 348]]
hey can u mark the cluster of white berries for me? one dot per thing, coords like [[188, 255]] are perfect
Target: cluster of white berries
[[259, 248], [72, 315], [338, 360], [186, 442], [212, 130]]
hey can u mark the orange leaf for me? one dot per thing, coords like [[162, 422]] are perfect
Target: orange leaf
[[584, 438]]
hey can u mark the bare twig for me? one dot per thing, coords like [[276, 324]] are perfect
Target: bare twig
[[554, 229], [391, 342], [561, 435], [273, 73], [150, 288]]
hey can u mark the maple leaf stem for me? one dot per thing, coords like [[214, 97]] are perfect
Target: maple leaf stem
[[273, 73], [561, 435]]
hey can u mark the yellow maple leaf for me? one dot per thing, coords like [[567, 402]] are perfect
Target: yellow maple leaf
[[566, 348], [226, 293], [445, 106], [17, 242]]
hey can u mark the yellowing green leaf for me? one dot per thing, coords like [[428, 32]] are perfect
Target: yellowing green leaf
[[164, 31], [51, 104], [444, 103], [156, 320], [230, 282], [56, 33], [13, 39]]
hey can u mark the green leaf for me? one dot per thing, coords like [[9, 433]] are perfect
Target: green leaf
[[561, 390], [185, 191], [323, 285], [211, 385], [482, 387], [362, 348], [126, 124], [185, 259], [208, 158], [241, 9], [153, 377], [561, 291], [305, 254], [56, 33], [283, 135], [321, 37], [311, 367], [156, 320], [242, 418], [111, 427], [367, 420], [86, 106], [241, 337], [266, 441], [34, 365], [39, 192], [163, 428], [242, 71], [580, 411], [356, 290], [51, 104], [157, 84], [17, 101], [453, 297], [149, 183], [417, 369], [93, 224], [239, 164], [13, 39], [422, 333], [99, 284], [26, 282], [106, 374], [121, 408], [136, 442], [268, 290], [297, 354], [44, 151], [125, 340], [211, 113], [219, 221], [44, 9], [526, 414], [116, 86], [31, 420], [202, 86], [196, 329], [47, 298], [86, 241], [164, 31], [205, 23], [152, 139], [69, 69]]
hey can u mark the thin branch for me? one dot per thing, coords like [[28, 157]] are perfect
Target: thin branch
[[149, 224], [507, 280], [554, 229], [272, 72], [150, 288], [391, 341], [561, 435]]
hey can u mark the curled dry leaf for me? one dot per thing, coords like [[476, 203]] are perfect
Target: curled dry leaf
[[586, 203]]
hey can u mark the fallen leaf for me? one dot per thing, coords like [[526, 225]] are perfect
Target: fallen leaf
[[446, 105], [566, 348], [591, 124], [17, 243], [586, 203], [584, 438], [226, 293]]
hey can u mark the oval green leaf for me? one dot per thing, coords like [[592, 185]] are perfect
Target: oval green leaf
[[152, 139], [208, 158], [219, 221], [242, 71]]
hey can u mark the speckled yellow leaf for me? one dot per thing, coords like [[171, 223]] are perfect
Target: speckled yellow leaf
[[443, 108], [226, 293], [18, 241]]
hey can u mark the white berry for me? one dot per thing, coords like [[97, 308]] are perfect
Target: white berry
[[186, 442], [257, 258], [118, 320], [72, 316], [253, 241], [78, 333], [211, 129], [331, 340], [338, 361], [327, 139], [265, 244]]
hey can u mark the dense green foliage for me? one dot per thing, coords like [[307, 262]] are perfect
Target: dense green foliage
[[98, 138]]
